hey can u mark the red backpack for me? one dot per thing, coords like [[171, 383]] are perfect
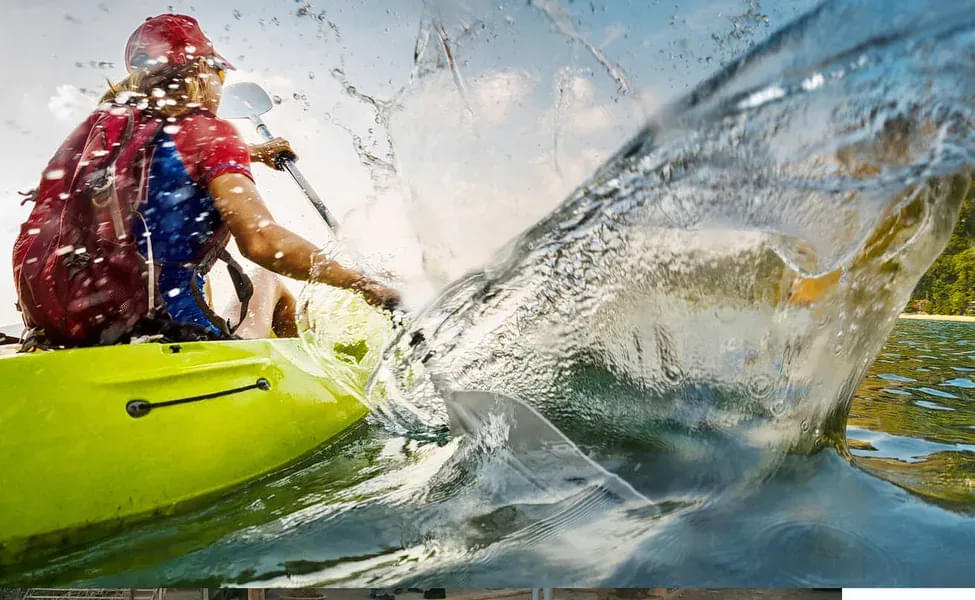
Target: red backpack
[[78, 272]]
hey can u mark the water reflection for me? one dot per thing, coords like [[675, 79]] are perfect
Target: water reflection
[[924, 445]]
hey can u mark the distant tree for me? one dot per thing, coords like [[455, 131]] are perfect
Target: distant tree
[[918, 306], [948, 288]]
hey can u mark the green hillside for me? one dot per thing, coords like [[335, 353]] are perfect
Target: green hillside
[[948, 288]]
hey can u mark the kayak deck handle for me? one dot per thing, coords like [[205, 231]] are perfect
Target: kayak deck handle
[[139, 408]]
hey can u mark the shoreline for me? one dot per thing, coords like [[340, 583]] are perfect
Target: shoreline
[[921, 317]]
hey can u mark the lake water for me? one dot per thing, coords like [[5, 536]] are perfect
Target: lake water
[[362, 512], [913, 419]]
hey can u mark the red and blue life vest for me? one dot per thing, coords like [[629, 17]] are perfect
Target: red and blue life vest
[[124, 224], [185, 228]]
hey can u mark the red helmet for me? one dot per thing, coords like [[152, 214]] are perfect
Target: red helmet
[[169, 39]]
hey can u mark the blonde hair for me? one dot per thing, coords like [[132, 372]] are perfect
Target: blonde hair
[[169, 92]]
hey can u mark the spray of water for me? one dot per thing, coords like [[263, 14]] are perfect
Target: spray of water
[[560, 19], [733, 270]]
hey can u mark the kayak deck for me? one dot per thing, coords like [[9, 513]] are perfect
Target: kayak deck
[[107, 435]]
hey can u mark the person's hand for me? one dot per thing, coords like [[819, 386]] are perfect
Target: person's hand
[[377, 294], [270, 151]]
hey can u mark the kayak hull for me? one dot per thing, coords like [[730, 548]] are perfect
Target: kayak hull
[[92, 438]]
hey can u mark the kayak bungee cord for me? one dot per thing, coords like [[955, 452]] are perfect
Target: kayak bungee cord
[[140, 408]]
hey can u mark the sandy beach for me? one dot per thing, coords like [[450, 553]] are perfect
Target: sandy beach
[[922, 317]]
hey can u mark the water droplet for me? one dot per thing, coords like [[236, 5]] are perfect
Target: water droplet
[[813, 82], [760, 386]]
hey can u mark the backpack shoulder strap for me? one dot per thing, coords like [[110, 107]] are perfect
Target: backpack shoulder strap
[[243, 287]]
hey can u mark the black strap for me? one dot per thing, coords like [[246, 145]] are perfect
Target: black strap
[[139, 408], [201, 302], [242, 287], [242, 284], [34, 339], [163, 329]]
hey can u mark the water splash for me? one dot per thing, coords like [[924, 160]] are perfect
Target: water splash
[[378, 157], [560, 19], [428, 58], [744, 29], [731, 272]]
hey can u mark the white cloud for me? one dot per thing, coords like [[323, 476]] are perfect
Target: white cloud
[[580, 89], [69, 103], [497, 92]]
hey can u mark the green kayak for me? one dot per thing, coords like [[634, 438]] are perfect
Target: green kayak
[[94, 438]]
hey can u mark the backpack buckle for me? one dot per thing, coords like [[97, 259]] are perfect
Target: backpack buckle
[[76, 260], [100, 182]]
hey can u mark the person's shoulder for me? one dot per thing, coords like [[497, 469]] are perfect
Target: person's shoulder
[[201, 132], [202, 115], [203, 119], [211, 144]]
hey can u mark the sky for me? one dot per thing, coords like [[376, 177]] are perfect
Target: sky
[[430, 167]]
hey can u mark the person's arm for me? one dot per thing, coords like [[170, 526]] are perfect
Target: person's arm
[[277, 249]]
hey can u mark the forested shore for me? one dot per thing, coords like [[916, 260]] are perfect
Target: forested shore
[[948, 288]]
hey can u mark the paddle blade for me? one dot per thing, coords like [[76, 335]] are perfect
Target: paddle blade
[[539, 451], [244, 100]]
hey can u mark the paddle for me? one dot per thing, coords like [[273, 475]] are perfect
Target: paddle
[[247, 100], [540, 452]]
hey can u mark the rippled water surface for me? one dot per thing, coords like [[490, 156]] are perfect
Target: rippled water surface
[[375, 508], [913, 418]]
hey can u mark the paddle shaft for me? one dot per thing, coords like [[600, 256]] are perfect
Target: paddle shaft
[[289, 165]]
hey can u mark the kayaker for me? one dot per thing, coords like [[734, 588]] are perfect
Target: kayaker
[[199, 192]]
